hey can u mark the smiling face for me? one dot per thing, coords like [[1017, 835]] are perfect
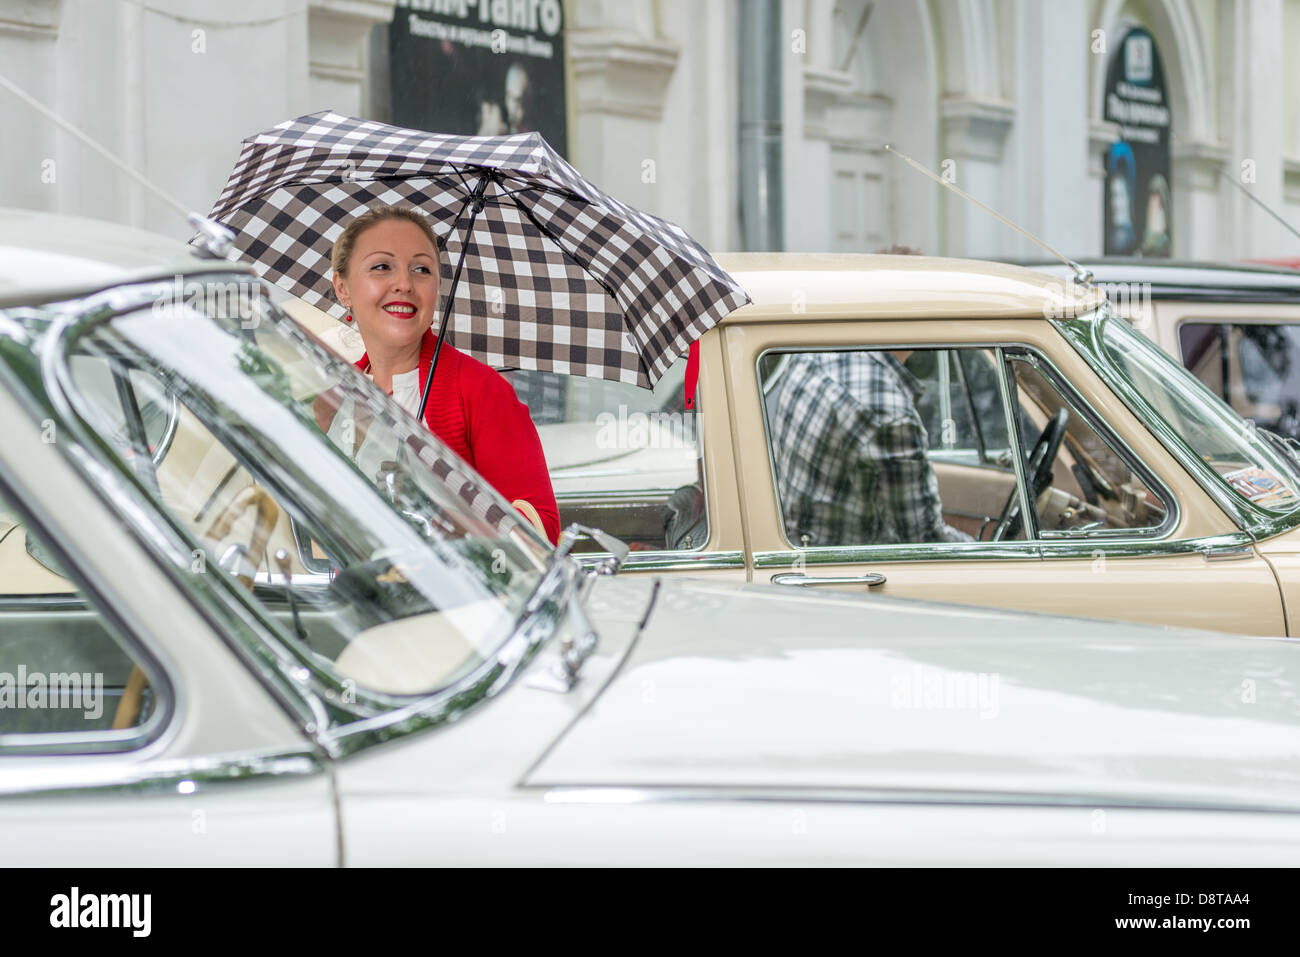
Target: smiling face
[[391, 285]]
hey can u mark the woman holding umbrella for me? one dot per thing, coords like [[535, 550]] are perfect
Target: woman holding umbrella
[[585, 284], [386, 275]]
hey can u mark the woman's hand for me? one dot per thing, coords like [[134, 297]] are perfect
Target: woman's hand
[[530, 513]]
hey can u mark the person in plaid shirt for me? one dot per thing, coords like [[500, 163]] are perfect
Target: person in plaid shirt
[[850, 452]]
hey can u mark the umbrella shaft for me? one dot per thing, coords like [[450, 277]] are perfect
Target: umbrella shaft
[[475, 203]]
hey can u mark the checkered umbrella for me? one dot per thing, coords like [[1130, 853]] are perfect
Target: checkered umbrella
[[558, 276]]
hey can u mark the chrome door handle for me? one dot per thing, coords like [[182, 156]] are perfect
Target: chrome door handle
[[1227, 553], [871, 579]]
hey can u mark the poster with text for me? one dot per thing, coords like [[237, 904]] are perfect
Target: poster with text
[[480, 67], [1138, 201]]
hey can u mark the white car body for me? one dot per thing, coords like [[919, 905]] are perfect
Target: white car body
[[713, 724]]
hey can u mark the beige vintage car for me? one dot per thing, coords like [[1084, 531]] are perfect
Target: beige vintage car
[[1148, 499]]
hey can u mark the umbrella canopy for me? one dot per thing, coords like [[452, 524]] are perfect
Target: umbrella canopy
[[558, 275]]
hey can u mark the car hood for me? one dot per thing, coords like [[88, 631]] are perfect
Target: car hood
[[636, 451], [762, 687]]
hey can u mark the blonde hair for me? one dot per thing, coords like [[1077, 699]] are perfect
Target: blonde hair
[[341, 256]]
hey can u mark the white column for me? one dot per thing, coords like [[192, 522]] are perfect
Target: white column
[[100, 90], [28, 44], [802, 164], [974, 134], [1250, 64], [696, 168], [213, 75], [1047, 174], [621, 73], [337, 31], [1197, 185]]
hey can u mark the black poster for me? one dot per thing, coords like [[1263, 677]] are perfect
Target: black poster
[[1138, 209], [480, 67]]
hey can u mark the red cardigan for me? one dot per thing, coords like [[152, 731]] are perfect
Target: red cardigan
[[476, 413]]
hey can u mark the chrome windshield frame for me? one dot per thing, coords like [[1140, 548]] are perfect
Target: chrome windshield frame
[[1086, 335], [340, 719]]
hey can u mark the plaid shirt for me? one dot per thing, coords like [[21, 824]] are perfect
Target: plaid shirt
[[850, 452]]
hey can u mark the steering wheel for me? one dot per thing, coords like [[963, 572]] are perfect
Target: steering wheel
[[1039, 474], [254, 496]]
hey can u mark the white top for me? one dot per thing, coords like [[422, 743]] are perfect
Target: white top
[[373, 450], [406, 390]]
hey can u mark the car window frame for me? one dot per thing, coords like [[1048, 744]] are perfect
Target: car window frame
[[1094, 420], [162, 681], [311, 697], [1085, 334], [900, 551], [655, 558], [1031, 547]]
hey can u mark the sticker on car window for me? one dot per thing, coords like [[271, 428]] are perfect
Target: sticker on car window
[[1259, 486]]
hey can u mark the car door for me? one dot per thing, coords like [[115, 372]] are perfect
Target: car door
[[130, 733], [1149, 545]]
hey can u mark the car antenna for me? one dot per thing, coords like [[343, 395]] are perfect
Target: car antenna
[[1084, 276], [213, 240], [1259, 202], [1249, 195]]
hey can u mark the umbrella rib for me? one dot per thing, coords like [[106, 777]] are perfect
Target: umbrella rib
[[505, 175], [577, 262], [456, 170], [510, 192]]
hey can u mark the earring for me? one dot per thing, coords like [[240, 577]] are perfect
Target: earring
[[348, 317]]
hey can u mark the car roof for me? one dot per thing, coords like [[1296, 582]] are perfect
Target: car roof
[[1189, 279], [795, 286], [47, 256]]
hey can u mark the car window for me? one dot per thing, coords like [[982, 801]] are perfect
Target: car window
[[1242, 459], [1254, 367], [146, 396], [621, 458], [352, 527], [1093, 488], [67, 679], [961, 404], [874, 447]]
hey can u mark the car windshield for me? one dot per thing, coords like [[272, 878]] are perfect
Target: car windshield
[[1233, 447], [384, 559]]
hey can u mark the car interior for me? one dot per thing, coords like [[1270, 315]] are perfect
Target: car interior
[[621, 458], [1254, 367], [1079, 483], [66, 670]]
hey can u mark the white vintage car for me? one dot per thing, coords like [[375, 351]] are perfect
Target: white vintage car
[[250, 613]]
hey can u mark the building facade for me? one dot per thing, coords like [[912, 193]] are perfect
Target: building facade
[[759, 123]]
